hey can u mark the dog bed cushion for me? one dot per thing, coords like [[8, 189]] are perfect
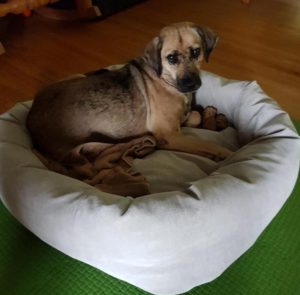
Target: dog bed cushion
[[169, 241], [271, 266]]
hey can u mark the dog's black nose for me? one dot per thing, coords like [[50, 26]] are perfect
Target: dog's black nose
[[189, 83]]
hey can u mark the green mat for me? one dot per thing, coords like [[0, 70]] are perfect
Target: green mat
[[271, 267]]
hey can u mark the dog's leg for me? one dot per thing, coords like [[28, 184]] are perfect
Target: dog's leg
[[193, 145]]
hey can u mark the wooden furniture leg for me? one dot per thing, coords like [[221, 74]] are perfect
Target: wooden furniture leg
[[2, 50], [86, 9]]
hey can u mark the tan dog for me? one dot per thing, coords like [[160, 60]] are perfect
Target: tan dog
[[150, 94]]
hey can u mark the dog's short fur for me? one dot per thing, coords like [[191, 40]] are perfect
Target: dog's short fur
[[150, 94]]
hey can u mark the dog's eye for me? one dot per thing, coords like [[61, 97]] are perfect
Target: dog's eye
[[195, 52], [172, 59]]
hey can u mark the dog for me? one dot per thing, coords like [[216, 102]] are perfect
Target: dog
[[151, 94]]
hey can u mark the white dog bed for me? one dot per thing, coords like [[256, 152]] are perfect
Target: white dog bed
[[201, 216]]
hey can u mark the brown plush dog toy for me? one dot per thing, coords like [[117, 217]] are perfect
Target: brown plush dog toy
[[206, 118]]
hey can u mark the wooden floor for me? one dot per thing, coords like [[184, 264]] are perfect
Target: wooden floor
[[257, 42]]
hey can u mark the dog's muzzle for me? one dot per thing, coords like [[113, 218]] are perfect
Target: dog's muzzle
[[189, 83]]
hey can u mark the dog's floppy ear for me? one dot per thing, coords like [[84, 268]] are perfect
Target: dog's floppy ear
[[152, 54], [209, 40]]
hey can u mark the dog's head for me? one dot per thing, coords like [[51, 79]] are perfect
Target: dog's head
[[176, 54]]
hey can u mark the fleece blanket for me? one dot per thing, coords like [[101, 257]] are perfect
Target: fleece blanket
[[110, 170]]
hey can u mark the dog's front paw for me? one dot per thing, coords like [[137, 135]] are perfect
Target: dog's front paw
[[193, 120]]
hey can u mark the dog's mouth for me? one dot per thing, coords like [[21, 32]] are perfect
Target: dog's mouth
[[189, 83], [189, 88]]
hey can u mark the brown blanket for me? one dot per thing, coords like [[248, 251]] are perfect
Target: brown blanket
[[111, 170]]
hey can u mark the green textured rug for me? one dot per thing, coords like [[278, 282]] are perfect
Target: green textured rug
[[271, 267]]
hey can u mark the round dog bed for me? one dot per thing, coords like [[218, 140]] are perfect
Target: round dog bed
[[201, 215]]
